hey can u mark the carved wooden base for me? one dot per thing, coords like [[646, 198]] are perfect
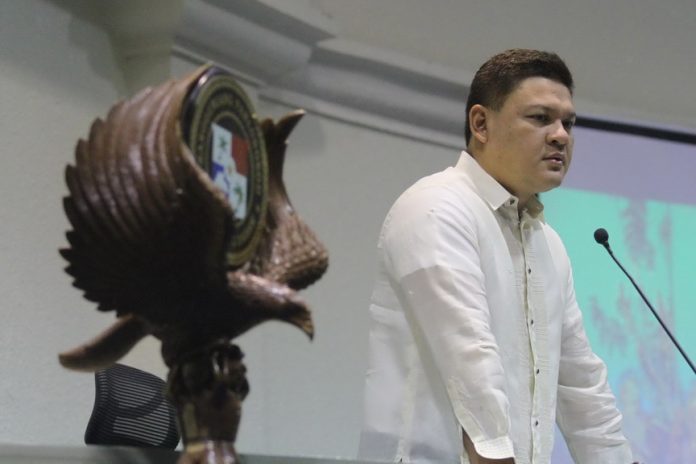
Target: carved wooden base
[[208, 387], [209, 452]]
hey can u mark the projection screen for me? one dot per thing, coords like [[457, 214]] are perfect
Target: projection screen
[[642, 190]]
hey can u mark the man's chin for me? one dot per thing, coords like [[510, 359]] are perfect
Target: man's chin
[[551, 182]]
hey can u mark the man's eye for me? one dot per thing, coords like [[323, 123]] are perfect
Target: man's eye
[[568, 124], [542, 118]]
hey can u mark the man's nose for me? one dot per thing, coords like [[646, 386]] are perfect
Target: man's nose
[[559, 135]]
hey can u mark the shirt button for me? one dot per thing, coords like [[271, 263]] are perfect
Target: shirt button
[[537, 371], [531, 322], [536, 423], [529, 271]]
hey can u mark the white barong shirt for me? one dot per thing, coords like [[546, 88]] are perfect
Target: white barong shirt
[[475, 326]]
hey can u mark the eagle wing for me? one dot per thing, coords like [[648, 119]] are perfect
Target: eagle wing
[[149, 227], [289, 251]]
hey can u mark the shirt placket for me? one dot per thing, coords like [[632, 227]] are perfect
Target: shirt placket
[[530, 307]]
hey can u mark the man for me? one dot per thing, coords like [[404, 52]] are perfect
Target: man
[[477, 344]]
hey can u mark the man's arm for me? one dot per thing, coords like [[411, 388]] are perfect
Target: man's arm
[[432, 257], [586, 407]]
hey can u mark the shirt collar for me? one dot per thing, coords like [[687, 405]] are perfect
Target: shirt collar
[[491, 191]]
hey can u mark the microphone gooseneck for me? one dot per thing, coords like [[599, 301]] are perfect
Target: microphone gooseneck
[[601, 236]]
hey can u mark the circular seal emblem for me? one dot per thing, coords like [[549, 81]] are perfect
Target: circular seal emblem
[[221, 129]]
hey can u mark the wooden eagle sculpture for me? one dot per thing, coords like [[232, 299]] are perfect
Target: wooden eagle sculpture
[[150, 231]]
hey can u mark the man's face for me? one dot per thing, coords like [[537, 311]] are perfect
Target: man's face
[[528, 142]]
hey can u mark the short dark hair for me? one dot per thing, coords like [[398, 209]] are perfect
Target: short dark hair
[[501, 74]]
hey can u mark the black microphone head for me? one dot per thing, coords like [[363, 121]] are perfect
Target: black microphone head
[[601, 236]]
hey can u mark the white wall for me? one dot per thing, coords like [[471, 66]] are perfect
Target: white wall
[[56, 74], [58, 71]]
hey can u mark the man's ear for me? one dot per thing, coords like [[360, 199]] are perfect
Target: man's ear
[[478, 123]]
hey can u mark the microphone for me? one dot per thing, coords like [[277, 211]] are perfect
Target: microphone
[[601, 236]]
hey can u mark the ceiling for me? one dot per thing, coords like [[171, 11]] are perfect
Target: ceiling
[[633, 61]]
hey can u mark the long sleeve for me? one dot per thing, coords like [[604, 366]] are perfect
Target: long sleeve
[[586, 407], [433, 260]]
